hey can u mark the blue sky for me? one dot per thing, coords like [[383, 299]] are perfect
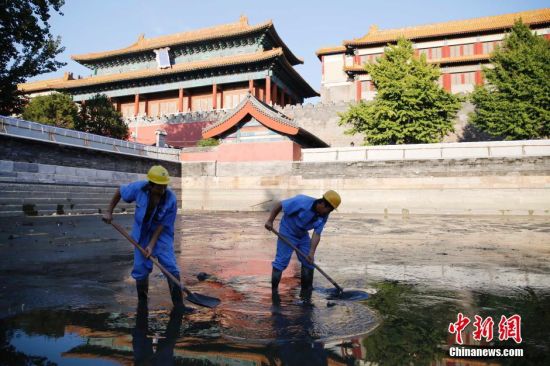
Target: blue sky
[[305, 26]]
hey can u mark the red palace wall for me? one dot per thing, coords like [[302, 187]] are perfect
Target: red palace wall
[[179, 134], [249, 151]]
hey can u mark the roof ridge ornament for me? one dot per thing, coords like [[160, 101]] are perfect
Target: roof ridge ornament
[[243, 19]]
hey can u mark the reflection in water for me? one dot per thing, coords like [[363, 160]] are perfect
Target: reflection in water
[[294, 344], [156, 350], [416, 320], [414, 332]]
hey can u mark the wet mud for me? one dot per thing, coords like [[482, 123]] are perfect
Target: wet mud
[[66, 295]]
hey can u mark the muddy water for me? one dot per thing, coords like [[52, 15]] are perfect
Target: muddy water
[[66, 296]]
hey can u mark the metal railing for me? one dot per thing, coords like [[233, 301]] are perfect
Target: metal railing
[[36, 131]]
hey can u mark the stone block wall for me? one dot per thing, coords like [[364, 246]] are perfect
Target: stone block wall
[[41, 178], [489, 186]]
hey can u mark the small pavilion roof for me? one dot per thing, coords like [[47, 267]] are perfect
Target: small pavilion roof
[[216, 32], [267, 116]]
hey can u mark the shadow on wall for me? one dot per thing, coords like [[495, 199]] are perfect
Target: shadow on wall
[[184, 134], [473, 134], [271, 198], [267, 204]]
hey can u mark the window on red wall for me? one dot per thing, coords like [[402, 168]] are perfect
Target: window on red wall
[[489, 47], [455, 51], [168, 107], [463, 78], [468, 49], [431, 53], [363, 59], [367, 86], [462, 50], [154, 109], [127, 110], [232, 99]]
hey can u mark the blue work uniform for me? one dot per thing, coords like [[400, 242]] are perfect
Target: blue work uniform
[[299, 217], [164, 214]]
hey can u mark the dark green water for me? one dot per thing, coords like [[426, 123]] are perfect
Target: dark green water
[[66, 296], [414, 330]]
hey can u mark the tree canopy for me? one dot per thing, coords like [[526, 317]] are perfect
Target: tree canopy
[[55, 109], [409, 107], [28, 47], [97, 115], [515, 103]]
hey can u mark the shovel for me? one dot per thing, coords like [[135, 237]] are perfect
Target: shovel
[[338, 288], [198, 299]]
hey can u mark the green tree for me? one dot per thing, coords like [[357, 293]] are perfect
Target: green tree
[[28, 47], [409, 107], [55, 109], [208, 142], [515, 103], [97, 115]]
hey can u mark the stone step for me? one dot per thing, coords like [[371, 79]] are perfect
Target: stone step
[[41, 194], [65, 208], [75, 200], [54, 212], [26, 187]]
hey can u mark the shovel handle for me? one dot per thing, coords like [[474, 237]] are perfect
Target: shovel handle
[[306, 258], [121, 230]]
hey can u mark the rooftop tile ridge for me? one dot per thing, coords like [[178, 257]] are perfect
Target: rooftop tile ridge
[[143, 43], [543, 12]]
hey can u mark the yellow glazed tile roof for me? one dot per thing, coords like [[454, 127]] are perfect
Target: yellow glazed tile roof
[[48, 84], [531, 17], [65, 83], [330, 50], [219, 31], [184, 67], [139, 74]]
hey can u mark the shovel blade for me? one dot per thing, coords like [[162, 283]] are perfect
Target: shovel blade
[[203, 300]]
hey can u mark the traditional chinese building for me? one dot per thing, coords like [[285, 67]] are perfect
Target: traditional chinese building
[[254, 130], [460, 48], [177, 84]]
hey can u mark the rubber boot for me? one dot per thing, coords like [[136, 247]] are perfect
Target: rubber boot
[[177, 298], [306, 279], [142, 287], [275, 279]]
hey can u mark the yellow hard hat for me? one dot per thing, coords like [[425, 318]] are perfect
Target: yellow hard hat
[[333, 198], [158, 175]]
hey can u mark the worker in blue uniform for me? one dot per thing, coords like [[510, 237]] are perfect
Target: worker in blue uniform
[[300, 214], [153, 228]]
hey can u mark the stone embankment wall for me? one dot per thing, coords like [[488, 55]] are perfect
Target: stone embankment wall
[[462, 186], [44, 177]]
